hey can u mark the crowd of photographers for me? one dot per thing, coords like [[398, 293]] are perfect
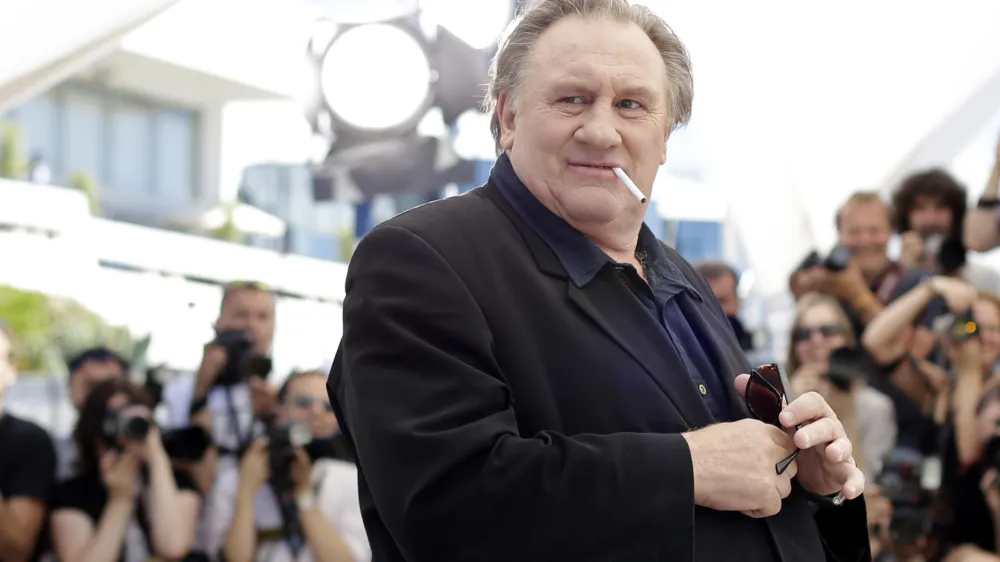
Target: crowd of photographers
[[223, 466], [907, 353]]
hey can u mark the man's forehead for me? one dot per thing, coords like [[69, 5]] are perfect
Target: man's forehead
[[855, 209], [630, 55], [245, 297]]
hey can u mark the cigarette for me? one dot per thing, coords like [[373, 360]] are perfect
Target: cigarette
[[628, 183]]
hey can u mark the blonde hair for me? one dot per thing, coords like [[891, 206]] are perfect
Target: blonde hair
[[515, 49], [808, 302]]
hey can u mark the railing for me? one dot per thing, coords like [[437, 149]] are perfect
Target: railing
[[62, 213]]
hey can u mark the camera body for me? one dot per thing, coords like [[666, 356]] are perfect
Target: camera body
[[120, 425], [241, 362], [837, 260], [187, 444], [957, 327], [845, 366], [901, 484], [282, 442]]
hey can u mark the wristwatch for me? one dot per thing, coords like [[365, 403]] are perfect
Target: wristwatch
[[985, 203], [306, 501]]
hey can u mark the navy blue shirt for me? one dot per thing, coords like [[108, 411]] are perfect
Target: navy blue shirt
[[663, 294]]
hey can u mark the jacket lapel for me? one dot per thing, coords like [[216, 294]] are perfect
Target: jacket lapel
[[631, 327], [726, 352]]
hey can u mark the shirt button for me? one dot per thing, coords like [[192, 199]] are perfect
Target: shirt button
[[702, 390]]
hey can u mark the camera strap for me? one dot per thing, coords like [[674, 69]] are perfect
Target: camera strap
[[243, 438]]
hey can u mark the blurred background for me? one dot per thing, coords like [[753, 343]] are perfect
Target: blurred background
[[152, 151]]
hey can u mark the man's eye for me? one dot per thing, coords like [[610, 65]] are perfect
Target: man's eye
[[630, 104], [573, 99]]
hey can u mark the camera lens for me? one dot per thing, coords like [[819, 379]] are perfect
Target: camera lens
[[135, 428]]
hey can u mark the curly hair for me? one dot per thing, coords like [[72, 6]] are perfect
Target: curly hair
[[937, 184]]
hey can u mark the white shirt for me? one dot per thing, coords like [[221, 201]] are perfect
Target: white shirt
[[336, 483]]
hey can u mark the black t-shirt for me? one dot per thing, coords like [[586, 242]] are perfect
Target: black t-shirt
[[27, 463], [87, 493], [970, 517]]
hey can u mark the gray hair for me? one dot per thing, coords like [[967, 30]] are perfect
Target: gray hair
[[515, 48]]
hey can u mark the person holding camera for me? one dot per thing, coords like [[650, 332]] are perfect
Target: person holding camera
[[821, 360], [324, 521], [930, 209], [126, 503], [229, 397], [858, 271]]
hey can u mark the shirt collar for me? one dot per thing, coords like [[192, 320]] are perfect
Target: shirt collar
[[581, 258]]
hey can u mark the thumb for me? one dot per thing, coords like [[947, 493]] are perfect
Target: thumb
[[740, 384]]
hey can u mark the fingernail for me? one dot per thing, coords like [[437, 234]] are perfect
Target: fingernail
[[787, 418]]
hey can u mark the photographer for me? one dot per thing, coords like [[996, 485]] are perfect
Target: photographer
[[229, 397], [27, 471], [930, 210], [324, 490], [126, 503], [889, 340], [824, 358], [858, 271], [86, 369]]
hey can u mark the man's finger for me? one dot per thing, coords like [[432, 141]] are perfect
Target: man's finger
[[806, 408], [840, 450], [740, 384], [820, 432]]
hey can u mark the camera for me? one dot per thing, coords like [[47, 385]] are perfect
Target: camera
[[188, 444], [901, 484], [241, 362], [121, 425], [837, 260], [846, 365], [957, 327], [282, 442], [948, 253]]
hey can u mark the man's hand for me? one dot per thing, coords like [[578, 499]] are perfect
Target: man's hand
[[846, 285], [263, 397], [213, 360], [826, 464], [254, 468], [734, 467], [957, 294]]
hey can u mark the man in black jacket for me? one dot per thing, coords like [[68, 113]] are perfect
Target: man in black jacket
[[523, 369]]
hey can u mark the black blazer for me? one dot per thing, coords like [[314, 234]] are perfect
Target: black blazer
[[498, 412]]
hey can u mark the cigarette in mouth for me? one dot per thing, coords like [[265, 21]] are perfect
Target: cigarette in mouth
[[628, 183]]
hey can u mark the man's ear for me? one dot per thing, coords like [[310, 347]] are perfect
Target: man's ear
[[506, 114]]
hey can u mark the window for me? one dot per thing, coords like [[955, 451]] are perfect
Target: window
[[131, 149], [699, 240], [82, 140], [132, 146], [175, 154]]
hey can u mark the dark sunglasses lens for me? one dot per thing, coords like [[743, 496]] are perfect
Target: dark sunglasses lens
[[830, 331], [762, 401], [770, 373], [802, 334]]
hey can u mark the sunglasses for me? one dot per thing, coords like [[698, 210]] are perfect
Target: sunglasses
[[766, 394], [305, 403], [805, 333]]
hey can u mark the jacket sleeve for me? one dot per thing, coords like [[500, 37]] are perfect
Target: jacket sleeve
[[435, 429]]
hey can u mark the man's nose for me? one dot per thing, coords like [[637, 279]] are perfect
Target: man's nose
[[599, 129]]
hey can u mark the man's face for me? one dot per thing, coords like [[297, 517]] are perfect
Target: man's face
[[253, 310], [724, 288], [306, 401], [865, 229], [88, 376], [8, 372], [930, 216], [593, 92]]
